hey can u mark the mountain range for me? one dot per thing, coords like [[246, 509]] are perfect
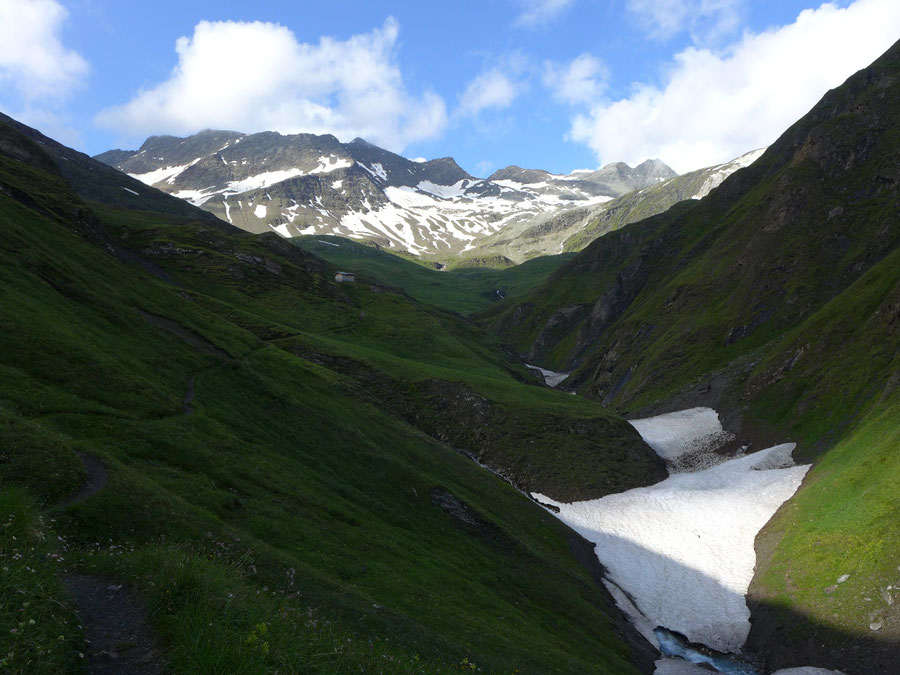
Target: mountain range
[[306, 184]]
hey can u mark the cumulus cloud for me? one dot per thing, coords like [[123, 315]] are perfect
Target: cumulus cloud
[[491, 89], [581, 80], [258, 76], [705, 19], [33, 59], [498, 86], [536, 13], [717, 105]]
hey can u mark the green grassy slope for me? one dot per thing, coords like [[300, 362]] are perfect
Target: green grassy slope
[[459, 289], [98, 182], [308, 514], [775, 299]]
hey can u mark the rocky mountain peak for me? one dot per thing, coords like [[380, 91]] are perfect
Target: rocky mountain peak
[[520, 175]]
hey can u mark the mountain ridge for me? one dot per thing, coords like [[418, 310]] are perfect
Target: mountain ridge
[[301, 184]]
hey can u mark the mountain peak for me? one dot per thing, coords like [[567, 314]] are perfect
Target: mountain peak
[[520, 175]]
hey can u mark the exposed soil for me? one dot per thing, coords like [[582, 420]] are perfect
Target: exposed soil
[[118, 637], [132, 257], [97, 475], [119, 640], [189, 396], [196, 341]]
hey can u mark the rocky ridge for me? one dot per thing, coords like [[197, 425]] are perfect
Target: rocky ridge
[[572, 229]]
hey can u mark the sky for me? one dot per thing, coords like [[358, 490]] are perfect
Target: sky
[[551, 84]]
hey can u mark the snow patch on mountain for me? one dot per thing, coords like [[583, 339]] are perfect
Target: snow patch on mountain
[[166, 173], [332, 163], [454, 191], [262, 180], [282, 230], [722, 172], [377, 170], [196, 197]]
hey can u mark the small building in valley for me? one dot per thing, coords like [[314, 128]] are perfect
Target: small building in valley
[[345, 277]]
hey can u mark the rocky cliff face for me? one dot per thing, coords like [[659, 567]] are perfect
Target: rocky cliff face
[[308, 184]]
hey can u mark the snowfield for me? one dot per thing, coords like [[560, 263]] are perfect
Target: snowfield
[[686, 439], [680, 553], [721, 172], [679, 667], [551, 378]]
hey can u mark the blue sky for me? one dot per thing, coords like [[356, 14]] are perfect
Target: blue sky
[[553, 84]]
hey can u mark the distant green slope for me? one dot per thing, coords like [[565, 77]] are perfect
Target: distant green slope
[[286, 488], [460, 289]]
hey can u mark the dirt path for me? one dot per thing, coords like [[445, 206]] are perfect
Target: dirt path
[[97, 475], [189, 396], [196, 341], [118, 636]]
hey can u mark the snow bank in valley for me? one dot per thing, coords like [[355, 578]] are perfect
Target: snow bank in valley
[[807, 670], [682, 550], [551, 378], [679, 667], [686, 439]]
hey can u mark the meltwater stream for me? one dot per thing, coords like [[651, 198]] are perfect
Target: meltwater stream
[[680, 554]]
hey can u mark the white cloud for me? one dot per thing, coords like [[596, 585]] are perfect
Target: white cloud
[[716, 106], [582, 80], [258, 76], [483, 168], [491, 89], [33, 59], [536, 13], [707, 20]]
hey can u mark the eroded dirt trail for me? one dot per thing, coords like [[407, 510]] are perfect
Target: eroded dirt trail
[[118, 637], [97, 475]]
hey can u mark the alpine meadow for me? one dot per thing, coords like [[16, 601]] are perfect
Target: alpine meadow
[[278, 395]]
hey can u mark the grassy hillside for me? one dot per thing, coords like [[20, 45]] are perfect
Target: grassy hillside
[[774, 299], [459, 289], [286, 490]]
